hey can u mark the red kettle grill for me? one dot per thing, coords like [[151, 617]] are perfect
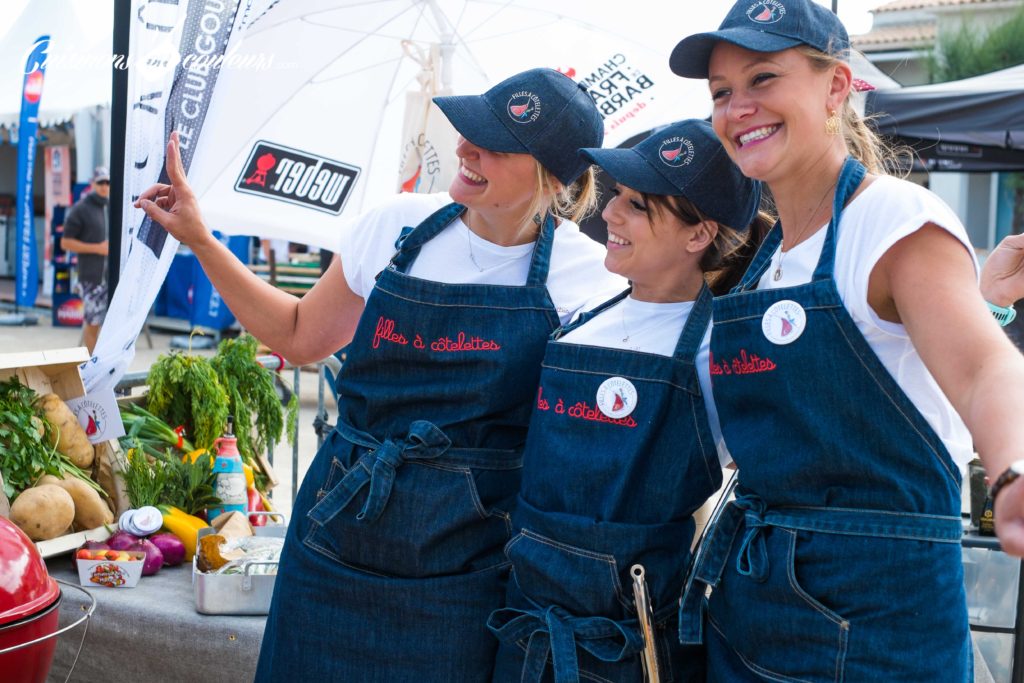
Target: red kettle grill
[[29, 608]]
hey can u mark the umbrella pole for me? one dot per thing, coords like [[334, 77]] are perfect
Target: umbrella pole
[[447, 45]]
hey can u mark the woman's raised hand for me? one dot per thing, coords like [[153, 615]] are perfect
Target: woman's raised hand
[[1002, 277], [175, 206]]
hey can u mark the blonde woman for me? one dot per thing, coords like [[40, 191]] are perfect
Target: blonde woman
[[393, 559], [840, 557]]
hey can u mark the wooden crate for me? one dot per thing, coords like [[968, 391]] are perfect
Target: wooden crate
[[56, 371]]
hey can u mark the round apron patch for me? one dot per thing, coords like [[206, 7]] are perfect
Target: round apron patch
[[784, 322], [616, 397]]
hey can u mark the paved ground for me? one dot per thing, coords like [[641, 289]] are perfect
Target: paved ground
[[44, 336]]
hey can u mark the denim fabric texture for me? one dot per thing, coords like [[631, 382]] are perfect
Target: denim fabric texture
[[598, 496], [393, 559], [839, 559]]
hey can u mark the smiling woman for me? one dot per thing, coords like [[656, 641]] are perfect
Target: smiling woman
[[619, 410], [851, 434], [405, 509]]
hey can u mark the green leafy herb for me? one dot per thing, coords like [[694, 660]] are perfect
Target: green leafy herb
[[25, 451], [184, 390], [190, 484], [145, 480], [252, 396]]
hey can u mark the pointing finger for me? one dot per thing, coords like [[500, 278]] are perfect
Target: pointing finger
[[175, 169]]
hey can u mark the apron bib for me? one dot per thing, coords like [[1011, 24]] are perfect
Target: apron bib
[[839, 559], [619, 456], [398, 528]]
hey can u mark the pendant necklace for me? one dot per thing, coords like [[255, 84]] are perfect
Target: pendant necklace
[[510, 259], [777, 275], [626, 334]]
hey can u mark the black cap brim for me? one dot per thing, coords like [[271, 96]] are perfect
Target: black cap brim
[[476, 121], [691, 55], [629, 168]]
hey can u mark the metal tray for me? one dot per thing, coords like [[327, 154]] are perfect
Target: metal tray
[[236, 593]]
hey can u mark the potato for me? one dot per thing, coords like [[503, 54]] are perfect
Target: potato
[[43, 512], [68, 435], [90, 510]]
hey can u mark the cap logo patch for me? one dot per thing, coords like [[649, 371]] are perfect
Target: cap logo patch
[[676, 151], [766, 12], [523, 107]]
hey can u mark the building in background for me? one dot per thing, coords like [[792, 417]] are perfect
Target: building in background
[[902, 34]]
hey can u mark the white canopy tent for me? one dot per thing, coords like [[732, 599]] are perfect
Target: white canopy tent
[[78, 71]]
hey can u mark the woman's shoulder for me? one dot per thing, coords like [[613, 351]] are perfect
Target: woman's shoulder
[[891, 203], [900, 195]]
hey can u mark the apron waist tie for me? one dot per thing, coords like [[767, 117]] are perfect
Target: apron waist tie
[[377, 466], [751, 514], [554, 630]]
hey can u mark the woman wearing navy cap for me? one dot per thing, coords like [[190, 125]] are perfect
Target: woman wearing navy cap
[[839, 559], [393, 558], [623, 444]]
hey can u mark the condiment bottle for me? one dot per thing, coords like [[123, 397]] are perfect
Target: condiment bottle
[[230, 484]]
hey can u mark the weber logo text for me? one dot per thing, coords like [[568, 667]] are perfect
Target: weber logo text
[[297, 177]]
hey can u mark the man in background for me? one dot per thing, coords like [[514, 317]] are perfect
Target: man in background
[[85, 233]]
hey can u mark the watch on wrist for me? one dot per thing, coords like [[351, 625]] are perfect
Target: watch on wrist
[[1004, 315], [1009, 475]]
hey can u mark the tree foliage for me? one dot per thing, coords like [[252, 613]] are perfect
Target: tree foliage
[[972, 51]]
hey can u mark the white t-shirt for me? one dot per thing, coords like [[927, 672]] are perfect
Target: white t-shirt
[[651, 328], [885, 212], [457, 255]]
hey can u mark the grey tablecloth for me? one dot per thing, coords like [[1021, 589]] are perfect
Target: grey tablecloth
[[152, 633]]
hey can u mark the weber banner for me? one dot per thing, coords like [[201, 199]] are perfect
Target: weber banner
[[27, 273], [175, 53]]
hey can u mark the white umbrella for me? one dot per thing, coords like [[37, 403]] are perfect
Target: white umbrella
[[305, 117], [317, 132]]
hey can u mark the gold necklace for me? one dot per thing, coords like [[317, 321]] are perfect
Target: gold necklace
[[782, 250]]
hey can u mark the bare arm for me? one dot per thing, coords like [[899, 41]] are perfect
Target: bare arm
[[927, 282], [302, 330], [80, 247]]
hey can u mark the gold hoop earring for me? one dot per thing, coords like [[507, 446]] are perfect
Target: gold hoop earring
[[832, 123]]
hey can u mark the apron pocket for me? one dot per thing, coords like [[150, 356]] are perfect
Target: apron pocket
[[432, 524], [775, 626], [583, 582]]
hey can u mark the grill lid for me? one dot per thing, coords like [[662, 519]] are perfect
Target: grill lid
[[25, 585]]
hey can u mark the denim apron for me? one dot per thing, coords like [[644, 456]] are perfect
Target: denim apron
[[393, 559], [839, 559], [600, 494]]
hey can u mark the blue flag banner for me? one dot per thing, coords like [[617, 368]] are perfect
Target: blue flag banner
[[27, 274]]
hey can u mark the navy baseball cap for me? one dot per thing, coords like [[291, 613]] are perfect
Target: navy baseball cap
[[685, 159], [764, 26], [540, 112]]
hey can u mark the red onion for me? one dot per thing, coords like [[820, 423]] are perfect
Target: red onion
[[171, 547], [154, 558]]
